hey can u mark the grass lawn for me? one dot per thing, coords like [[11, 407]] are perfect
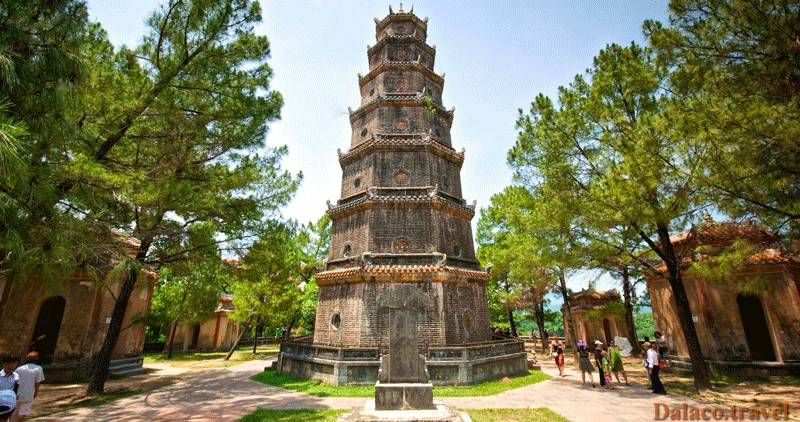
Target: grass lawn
[[206, 360], [541, 414], [320, 389], [294, 415]]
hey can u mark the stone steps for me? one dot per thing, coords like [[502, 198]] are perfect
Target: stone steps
[[127, 366]]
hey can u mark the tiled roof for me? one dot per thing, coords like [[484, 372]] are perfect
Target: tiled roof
[[595, 295], [434, 199], [712, 232], [386, 66]]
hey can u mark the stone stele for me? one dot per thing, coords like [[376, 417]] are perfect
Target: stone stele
[[403, 380]]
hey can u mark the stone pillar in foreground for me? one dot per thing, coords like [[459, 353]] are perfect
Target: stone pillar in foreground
[[403, 380]]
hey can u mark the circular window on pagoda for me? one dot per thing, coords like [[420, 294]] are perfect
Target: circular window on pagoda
[[445, 184], [347, 250], [401, 245], [401, 53], [401, 85], [336, 321], [400, 30], [469, 320], [372, 92], [364, 133], [401, 177], [456, 251], [357, 182], [401, 124]]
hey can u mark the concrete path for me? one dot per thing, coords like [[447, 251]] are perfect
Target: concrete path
[[229, 394]]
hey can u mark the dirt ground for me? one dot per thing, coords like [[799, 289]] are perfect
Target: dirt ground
[[728, 391], [57, 397]]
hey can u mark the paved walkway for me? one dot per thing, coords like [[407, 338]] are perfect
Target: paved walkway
[[228, 394]]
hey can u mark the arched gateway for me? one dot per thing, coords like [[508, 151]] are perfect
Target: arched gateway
[[402, 219]]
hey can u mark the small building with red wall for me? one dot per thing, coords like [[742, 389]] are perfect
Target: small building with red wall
[[218, 332], [595, 316], [66, 320], [741, 330]]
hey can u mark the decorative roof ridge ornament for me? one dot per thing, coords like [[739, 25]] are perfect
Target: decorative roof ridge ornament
[[328, 202], [391, 12], [432, 191], [372, 192], [366, 260]]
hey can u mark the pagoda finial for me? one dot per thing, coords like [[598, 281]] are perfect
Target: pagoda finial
[[401, 8]]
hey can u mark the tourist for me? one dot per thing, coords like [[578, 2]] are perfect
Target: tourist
[[9, 385], [598, 356], [616, 361], [663, 348], [31, 376], [584, 363], [606, 365], [646, 363], [560, 361], [554, 347], [655, 369]]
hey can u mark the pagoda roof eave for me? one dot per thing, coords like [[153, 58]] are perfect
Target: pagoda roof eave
[[416, 100], [379, 143], [394, 65], [360, 273], [395, 39]]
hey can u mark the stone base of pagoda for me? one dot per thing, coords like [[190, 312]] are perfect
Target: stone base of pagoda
[[453, 365]]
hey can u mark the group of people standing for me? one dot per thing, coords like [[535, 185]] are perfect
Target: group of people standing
[[608, 362], [19, 385]]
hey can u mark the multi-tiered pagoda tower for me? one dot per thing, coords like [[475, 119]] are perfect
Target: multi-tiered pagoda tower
[[402, 219]]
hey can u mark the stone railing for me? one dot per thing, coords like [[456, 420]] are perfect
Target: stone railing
[[476, 351]]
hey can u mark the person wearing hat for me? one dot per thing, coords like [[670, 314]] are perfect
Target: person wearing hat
[[598, 359], [584, 363]]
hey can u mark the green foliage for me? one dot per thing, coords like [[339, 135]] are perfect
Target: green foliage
[[644, 324], [267, 282], [737, 77], [722, 266]]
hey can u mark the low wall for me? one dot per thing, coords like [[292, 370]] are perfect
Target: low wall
[[452, 365]]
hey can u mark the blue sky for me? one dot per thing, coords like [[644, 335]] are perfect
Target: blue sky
[[496, 57]]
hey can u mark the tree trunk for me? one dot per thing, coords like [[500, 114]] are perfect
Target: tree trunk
[[568, 322], [626, 292], [538, 311], [702, 380], [97, 382], [513, 325], [238, 339], [255, 338], [172, 339], [291, 324]]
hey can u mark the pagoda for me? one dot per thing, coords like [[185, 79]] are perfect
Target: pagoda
[[402, 218]]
